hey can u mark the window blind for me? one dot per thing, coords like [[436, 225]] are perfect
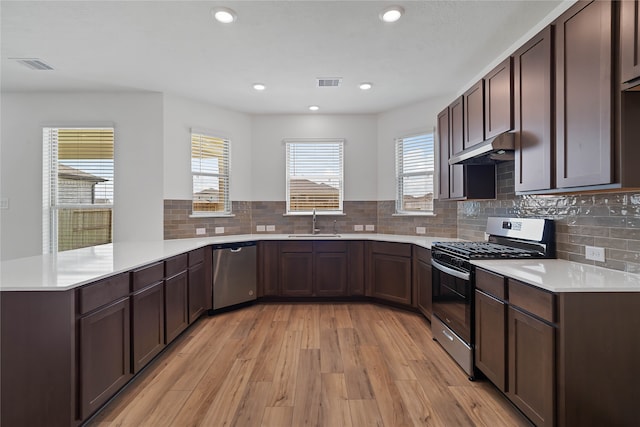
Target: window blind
[[414, 174], [210, 171], [78, 189], [314, 176]]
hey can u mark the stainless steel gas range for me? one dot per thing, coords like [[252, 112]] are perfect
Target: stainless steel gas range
[[452, 323]]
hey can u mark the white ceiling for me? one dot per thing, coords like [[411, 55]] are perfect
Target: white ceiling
[[176, 47]]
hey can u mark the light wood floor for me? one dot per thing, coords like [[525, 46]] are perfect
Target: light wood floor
[[308, 365]]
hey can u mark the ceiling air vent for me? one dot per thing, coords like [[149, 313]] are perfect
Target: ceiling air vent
[[329, 81], [34, 64]]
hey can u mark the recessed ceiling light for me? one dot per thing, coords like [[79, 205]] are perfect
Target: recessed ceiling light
[[224, 15], [314, 108], [391, 14], [365, 86], [259, 86]]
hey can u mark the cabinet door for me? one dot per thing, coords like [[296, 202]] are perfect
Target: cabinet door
[[443, 155], [392, 278], [197, 291], [630, 40], [533, 95], [531, 367], [422, 281], [498, 100], [474, 115], [269, 255], [491, 331], [296, 274], [176, 305], [331, 274], [584, 95], [355, 267], [147, 316], [456, 144], [105, 359]]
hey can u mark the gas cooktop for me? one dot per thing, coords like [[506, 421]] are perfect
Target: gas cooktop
[[486, 250]]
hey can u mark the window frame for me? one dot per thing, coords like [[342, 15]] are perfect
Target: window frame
[[289, 142], [400, 208], [227, 206]]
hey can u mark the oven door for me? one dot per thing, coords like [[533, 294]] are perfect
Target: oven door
[[452, 294]]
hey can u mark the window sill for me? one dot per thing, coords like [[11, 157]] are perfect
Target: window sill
[[311, 214], [414, 214], [212, 215]]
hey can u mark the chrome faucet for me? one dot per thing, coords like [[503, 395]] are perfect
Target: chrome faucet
[[313, 226]]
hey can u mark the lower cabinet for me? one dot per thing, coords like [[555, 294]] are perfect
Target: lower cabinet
[[197, 291], [422, 280], [147, 318], [490, 349], [330, 268], [268, 268], [296, 269], [389, 272], [104, 356], [176, 305]]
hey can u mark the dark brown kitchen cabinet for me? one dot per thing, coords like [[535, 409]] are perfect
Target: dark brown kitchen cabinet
[[630, 40], [490, 349], [147, 324], [199, 288], [268, 268], [584, 98], [532, 366], [176, 294], [456, 144], [444, 170], [422, 280], [498, 100], [105, 360], [296, 269], [533, 99], [474, 115], [355, 266], [330, 268], [389, 272]]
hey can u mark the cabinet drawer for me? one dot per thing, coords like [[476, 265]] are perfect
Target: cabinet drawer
[[389, 248], [175, 265], [196, 257], [330, 246], [536, 301], [491, 283], [422, 254], [103, 292], [296, 246], [146, 276]]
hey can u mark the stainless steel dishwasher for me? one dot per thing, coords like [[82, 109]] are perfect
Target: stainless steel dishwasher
[[234, 273]]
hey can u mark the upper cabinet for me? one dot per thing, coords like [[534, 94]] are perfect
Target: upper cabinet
[[498, 100], [584, 98], [533, 108], [630, 40], [473, 115], [443, 156]]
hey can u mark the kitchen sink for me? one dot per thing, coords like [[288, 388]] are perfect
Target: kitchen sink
[[317, 235]]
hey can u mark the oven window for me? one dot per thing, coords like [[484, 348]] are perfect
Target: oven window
[[452, 303]]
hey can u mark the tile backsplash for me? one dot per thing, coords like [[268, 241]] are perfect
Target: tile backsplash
[[610, 220]]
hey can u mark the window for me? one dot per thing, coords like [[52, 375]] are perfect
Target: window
[[77, 187], [314, 176], [210, 172], [414, 174]]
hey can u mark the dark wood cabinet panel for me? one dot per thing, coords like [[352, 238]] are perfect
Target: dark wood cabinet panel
[[176, 305], [531, 367], [443, 154], [498, 100], [103, 292], [355, 267], [491, 333], [456, 144], [104, 365], [422, 280], [296, 274], [391, 278], [533, 113], [630, 40], [147, 325], [474, 115], [584, 98], [268, 266], [330, 274], [197, 291], [147, 275]]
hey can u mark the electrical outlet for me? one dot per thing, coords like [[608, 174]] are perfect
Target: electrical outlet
[[358, 227], [421, 230], [271, 228], [594, 253], [260, 228], [369, 227], [219, 230], [201, 231]]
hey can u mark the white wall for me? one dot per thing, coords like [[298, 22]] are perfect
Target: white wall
[[137, 118], [359, 131], [180, 115], [406, 121]]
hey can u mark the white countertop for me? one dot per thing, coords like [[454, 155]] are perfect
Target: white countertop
[[70, 269], [557, 275]]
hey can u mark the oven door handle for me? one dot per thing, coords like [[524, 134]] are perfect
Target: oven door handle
[[450, 271]]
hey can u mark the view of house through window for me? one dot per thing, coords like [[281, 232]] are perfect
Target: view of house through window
[[314, 176], [77, 187], [210, 172], [414, 174]]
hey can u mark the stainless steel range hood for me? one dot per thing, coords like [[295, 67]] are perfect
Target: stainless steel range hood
[[498, 148]]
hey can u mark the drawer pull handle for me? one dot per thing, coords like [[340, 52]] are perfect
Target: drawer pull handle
[[447, 335]]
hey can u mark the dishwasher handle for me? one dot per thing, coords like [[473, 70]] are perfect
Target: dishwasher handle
[[234, 250]]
